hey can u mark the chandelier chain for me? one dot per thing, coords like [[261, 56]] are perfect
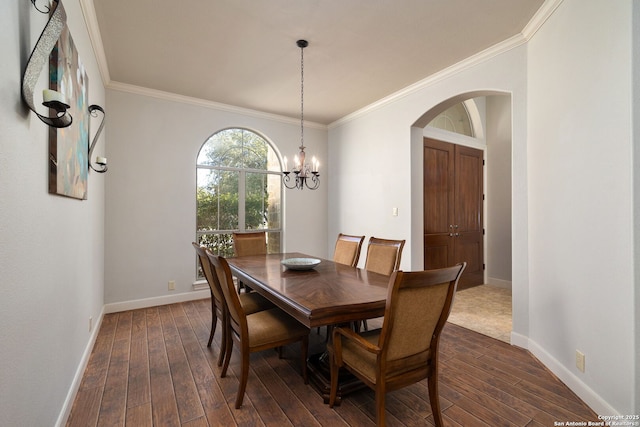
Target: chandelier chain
[[301, 97]]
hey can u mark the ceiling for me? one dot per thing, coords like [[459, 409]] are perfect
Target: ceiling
[[243, 52]]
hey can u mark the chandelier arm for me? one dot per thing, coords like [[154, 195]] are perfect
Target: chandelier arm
[[315, 179], [287, 179]]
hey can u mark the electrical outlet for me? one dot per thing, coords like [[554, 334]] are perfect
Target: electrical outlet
[[580, 360], [394, 212], [172, 285], [90, 323]]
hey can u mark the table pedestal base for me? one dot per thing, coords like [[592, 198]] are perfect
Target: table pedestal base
[[319, 371]]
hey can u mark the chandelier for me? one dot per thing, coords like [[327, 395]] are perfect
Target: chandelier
[[304, 174]]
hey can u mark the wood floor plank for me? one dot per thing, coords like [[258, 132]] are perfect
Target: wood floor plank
[[480, 411], [86, 407], [114, 398], [152, 367], [288, 402], [139, 416], [502, 409], [163, 400], [186, 392], [139, 390], [306, 394], [96, 371]]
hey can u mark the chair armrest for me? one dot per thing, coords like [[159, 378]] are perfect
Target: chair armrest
[[338, 333]]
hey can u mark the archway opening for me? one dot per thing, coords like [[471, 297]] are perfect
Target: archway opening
[[489, 114]]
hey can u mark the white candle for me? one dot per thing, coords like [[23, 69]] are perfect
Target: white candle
[[286, 169], [317, 166], [314, 163], [101, 160], [49, 95], [296, 162]]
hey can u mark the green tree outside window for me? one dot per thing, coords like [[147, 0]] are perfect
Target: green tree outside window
[[238, 189]]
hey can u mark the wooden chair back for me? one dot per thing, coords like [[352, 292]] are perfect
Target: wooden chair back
[[417, 308], [347, 250], [237, 321], [252, 243], [383, 255], [212, 279]]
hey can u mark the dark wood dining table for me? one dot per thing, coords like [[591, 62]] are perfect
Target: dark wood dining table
[[328, 294]]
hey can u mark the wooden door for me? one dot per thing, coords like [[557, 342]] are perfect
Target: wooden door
[[453, 206]]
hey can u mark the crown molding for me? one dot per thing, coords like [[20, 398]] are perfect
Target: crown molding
[[536, 22], [91, 22], [540, 17], [199, 102]]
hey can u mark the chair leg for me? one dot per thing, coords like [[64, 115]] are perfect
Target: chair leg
[[432, 384], [243, 379], [227, 357], [304, 349], [380, 402], [335, 369], [223, 345], [214, 321]]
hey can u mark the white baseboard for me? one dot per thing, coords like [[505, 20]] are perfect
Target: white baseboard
[[77, 378], [584, 392], [499, 283], [155, 301]]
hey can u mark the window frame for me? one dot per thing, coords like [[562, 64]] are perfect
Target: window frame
[[242, 193]]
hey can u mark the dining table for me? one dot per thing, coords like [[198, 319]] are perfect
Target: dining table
[[326, 294]]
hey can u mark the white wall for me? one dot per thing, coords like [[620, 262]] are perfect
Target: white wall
[[498, 191], [150, 215], [51, 247], [572, 229], [636, 184], [580, 157], [375, 156]]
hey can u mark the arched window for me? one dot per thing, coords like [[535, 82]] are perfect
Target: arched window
[[239, 188], [455, 119]]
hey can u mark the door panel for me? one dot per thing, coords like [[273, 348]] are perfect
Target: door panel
[[438, 188], [438, 204], [453, 206]]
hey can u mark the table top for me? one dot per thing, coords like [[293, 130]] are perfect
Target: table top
[[328, 294]]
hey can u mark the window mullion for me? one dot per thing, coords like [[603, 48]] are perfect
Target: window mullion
[[242, 190]]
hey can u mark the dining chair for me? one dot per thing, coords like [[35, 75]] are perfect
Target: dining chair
[[252, 302], [347, 250], [383, 255], [254, 332], [405, 350], [249, 243]]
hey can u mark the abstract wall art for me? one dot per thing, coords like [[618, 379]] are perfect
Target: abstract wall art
[[68, 147]]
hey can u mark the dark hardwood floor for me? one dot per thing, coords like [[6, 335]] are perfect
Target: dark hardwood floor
[[152, 367]]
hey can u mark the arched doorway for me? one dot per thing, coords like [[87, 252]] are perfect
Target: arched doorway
[[490, 118]]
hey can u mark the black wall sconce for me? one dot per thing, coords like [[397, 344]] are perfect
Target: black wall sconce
[[51, 98], [38, 59]]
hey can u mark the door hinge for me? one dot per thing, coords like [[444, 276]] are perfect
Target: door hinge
[[483, 266], [482, 162], [483, 231], [483, 196]]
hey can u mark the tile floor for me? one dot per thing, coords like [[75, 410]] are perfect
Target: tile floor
[[485, 309]]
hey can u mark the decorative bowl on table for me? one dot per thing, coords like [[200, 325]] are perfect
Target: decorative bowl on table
[[300, 263]]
